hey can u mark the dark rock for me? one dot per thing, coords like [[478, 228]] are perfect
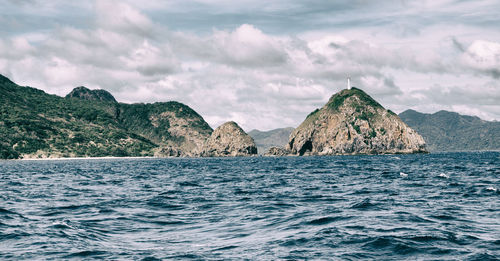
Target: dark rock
[[277, 151]]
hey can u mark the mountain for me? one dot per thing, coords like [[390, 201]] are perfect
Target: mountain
[[273, 138], [352, 122], [91, 95], [450, 131], [229, 140], [171, 125], [88, 123]]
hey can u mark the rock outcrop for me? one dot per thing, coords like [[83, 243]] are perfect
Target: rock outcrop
[[277, 151], [353, 123], [229, 140], [91, 95]]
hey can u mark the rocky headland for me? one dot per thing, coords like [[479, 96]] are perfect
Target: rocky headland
[[352, 122]]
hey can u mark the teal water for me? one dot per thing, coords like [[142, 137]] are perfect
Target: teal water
[[391, 207]]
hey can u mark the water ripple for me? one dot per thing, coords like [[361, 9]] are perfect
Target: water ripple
[[425, 207]]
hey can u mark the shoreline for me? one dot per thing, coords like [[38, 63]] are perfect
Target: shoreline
[[86, 158], [253, 156]]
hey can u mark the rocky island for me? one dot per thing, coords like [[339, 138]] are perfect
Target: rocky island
[[351, 122], [229, 140]]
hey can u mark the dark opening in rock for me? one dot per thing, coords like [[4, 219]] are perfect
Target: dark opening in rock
[[306, 147]]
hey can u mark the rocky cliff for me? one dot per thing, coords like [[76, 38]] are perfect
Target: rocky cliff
[[229, 140], [353, 123]]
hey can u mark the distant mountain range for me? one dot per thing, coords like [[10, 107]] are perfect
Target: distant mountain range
[[272, 138], [450, 131]]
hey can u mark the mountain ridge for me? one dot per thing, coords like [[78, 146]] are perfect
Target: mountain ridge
[[35, 124], [451, 131], [271, 138]]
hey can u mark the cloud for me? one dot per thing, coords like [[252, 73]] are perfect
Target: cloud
[[15, 48], [121, 17], [259, 63], [150, 60], [483, 56], [383, 85], [247, 46], [22, 2]]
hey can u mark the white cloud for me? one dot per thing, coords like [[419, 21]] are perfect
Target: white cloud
[[262, 80], [15, 48], [119, 16], [150, 60], [483, 56], [247, 46]]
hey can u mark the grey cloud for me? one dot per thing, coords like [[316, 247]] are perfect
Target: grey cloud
[[458, 44], [244, 46], [120, 17], [482, 101], [22, 2], [243, 62], [482, 57], [465, 94]]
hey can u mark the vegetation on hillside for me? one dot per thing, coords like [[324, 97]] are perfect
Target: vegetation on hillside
[[338, 99], [36, 124], [450, 131], [144, 119]]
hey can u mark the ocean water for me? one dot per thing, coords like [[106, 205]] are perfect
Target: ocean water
[[391, 207]]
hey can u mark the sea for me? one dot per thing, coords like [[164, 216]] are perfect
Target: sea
[[440, 206]]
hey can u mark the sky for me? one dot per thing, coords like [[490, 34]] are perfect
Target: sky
[[264, 64]]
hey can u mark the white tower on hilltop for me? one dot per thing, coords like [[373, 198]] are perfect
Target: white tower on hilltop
[[348, 83]]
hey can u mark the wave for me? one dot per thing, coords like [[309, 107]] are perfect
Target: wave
[[356, 207]]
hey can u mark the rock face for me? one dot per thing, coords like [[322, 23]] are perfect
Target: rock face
[[91, 95], [353, 123], [229, 140], [277, 151]]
